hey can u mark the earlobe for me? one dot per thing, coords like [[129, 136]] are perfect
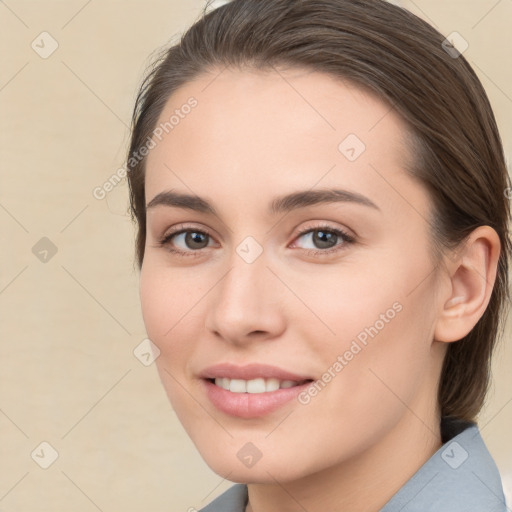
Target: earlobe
[[472, 277]]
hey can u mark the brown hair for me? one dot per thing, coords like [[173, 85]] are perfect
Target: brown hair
[[402, 59]]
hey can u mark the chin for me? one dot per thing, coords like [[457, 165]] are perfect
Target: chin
[[258, 474], [235, 464]]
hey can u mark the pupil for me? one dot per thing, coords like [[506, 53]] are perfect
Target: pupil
[[195, 238], [321, 238]]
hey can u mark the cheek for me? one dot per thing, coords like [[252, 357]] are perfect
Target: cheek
[[164, 310], [154, 302], [376, 341], [350, 306]]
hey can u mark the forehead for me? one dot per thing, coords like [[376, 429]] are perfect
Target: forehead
[[259, 103], [252, 131]]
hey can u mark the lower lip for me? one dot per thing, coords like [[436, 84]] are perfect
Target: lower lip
[[250, 405]]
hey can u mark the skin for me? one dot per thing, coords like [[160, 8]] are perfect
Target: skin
[[253, 136]]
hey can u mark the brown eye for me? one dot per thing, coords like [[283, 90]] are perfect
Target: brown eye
[[325, 239], [195, 239], [186, 241]]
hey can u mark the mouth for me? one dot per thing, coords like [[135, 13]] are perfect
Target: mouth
[[253, 390], [255, 386]]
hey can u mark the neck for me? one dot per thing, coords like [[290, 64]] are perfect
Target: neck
[[364, 483]]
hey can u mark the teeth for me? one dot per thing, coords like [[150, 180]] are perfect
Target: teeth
[[237, 386], [272, 385], [253, 386]]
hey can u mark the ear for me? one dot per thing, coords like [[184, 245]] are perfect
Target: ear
[[472, 275]]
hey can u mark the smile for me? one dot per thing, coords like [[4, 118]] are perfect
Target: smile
[[256, 386]]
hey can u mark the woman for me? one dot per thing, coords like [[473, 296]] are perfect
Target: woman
[[320, 193]]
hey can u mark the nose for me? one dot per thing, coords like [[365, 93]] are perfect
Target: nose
[[247, 304]]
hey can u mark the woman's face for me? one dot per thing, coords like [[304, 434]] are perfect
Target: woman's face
[[279, 281]]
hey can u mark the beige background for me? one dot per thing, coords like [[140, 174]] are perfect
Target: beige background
[[69, 325]]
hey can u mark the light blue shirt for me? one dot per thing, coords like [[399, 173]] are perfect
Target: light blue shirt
[[460, 477]]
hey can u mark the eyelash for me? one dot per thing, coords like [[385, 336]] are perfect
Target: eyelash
[[346, 238]]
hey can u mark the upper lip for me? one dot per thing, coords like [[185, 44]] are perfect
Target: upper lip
[[249, 372]]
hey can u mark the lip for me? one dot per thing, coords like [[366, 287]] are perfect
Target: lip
[[250, 371], [250, 405]]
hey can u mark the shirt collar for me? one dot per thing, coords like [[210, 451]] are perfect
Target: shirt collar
[[460, 477]]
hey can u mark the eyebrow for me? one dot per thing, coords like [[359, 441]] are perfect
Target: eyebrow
[[281, 204]]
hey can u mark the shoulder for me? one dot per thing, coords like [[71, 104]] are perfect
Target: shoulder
[[232, 500], [460, 477]]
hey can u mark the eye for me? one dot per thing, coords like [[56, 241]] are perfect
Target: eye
[[189, 241], [325, 239]]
